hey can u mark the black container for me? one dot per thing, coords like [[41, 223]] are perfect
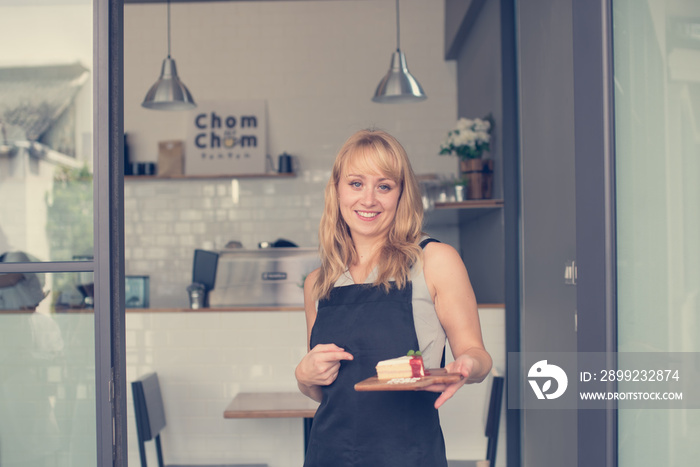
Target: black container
[[286, 163], [128, 167], [145, 168]]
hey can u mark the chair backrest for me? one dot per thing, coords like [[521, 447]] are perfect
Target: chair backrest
[[149, 414], [493, 418]]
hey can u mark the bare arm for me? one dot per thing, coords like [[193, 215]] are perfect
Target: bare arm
[[455, 304], [320, 365]]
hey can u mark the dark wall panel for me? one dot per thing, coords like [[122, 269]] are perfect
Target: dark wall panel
[[548, 207], [479, 93]]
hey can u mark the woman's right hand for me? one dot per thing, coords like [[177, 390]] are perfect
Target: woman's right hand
[[320, 365]]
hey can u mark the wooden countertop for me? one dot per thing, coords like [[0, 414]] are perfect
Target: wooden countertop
[[254, 308], [216, 309], [271, 405], [233, 309]]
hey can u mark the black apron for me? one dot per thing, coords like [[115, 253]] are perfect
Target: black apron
[[371, 429]]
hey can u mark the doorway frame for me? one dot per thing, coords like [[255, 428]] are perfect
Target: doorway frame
[[594, 129], [108, 147]]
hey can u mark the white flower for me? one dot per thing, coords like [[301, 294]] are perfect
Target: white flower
[[466, 138], [469, 139], [464, 124], [482, 125]]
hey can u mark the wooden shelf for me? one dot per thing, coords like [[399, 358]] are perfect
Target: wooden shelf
[[471, 204], [16, 312], [455, 213], [206, 177]]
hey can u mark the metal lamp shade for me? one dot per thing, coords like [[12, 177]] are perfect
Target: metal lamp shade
[[398, 85], [168, 93]]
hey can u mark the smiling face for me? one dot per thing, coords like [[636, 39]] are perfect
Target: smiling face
[[367, 199], [372, 196]]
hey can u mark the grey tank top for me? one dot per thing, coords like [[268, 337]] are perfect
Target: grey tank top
[[431, 335]]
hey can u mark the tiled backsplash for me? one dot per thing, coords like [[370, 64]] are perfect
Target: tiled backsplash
[[166, 220], [203, 359]]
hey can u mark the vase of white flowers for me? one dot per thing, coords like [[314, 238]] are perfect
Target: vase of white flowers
[[470, 141]]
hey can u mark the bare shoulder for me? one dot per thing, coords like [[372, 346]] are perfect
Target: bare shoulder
[[309, 282], [443, 267], [311, 278], [440, 255]]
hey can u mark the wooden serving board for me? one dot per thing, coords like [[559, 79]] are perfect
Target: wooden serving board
[[436, 376]]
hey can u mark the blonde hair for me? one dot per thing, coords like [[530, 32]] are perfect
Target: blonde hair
[[367, 151]]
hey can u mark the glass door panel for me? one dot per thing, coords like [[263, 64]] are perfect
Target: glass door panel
[[46, 130], [47, 325], [657, 134], [47, 382]]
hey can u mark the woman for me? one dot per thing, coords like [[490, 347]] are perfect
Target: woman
[[380, 292]]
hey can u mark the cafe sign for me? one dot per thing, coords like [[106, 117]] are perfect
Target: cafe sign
[[227, 138]]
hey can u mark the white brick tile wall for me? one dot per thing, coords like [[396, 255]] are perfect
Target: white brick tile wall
[[164, 228]]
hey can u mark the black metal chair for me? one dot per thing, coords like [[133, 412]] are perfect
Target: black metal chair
[[493, 419], [150, 420]]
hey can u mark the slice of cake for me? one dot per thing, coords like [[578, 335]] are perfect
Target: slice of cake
[[408, 366]]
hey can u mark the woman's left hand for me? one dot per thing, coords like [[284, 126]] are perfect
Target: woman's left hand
[[464, 365]]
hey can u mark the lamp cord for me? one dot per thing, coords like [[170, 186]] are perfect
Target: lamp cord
[[168, 28], [398, 43]]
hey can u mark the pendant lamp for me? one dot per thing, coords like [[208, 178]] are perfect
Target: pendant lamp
[[168, 93], [398, 85]]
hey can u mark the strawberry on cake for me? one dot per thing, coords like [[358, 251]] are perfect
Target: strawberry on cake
[[408, 366]]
